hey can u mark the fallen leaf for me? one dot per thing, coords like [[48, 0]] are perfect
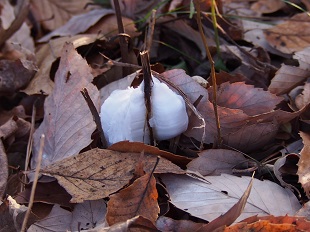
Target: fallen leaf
[[166, 224], [250, 100], [140, 198], [88, 215], [4, 172], [261, 226], [303, 98], [136, 224], [210, 200], [232, 214], [216, 161], [304, 164], [290, 36], [58, 220], [78, 24], [266, 6], [14, 76], [304, 211], [137, 147], [97, 173], [54, 13], [8, 128], [48, 53], [68, 122]]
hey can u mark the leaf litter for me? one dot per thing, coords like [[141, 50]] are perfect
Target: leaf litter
[[262, 97]]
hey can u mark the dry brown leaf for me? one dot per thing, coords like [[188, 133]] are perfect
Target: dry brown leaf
[[292, 35], [137, 147], [55, 13], [78, 24], [88, 215], [68, 122], [304, 211], [288, 77], [261, 226], [166, 224], [266, 6], [48, 53], [58, 220], [140, 198], [217, 194], [216, 161], [304, 164], [8, 128], [97, 173], [4, 170], [250, 100]]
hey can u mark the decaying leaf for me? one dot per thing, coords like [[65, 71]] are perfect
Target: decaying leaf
[[166, 224], [140, 198], [292, 35], [88, 215], [54, 13], [210, 200], [97, 173], [78, 24], [216, 161], [48, 53], [68, 122], [304, 164], [58, 220], [266, 6]]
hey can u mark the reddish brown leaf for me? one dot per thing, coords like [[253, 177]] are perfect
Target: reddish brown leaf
[[97, 173], [137, 147], [266, 6], [250, 100], [140, 198], [304, 164], [68, 122]]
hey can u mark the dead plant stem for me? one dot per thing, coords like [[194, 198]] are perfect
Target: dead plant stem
[[34, 184], [205, 43]]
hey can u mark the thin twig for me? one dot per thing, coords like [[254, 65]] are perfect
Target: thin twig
[[96, 116], [147, 77], [150, 31], [123, 43], [29, 145], [205, 43], [34, 184]]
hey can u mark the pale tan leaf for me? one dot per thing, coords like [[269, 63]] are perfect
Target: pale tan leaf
[[48, 53], [232, 214], [55, 13], [140, 198], [304, 164], [58, 220], [88, 215], [68, 122], [267, 6], [210, 200], [97, 173], [244, 97], [292, 35], [216, 161]]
